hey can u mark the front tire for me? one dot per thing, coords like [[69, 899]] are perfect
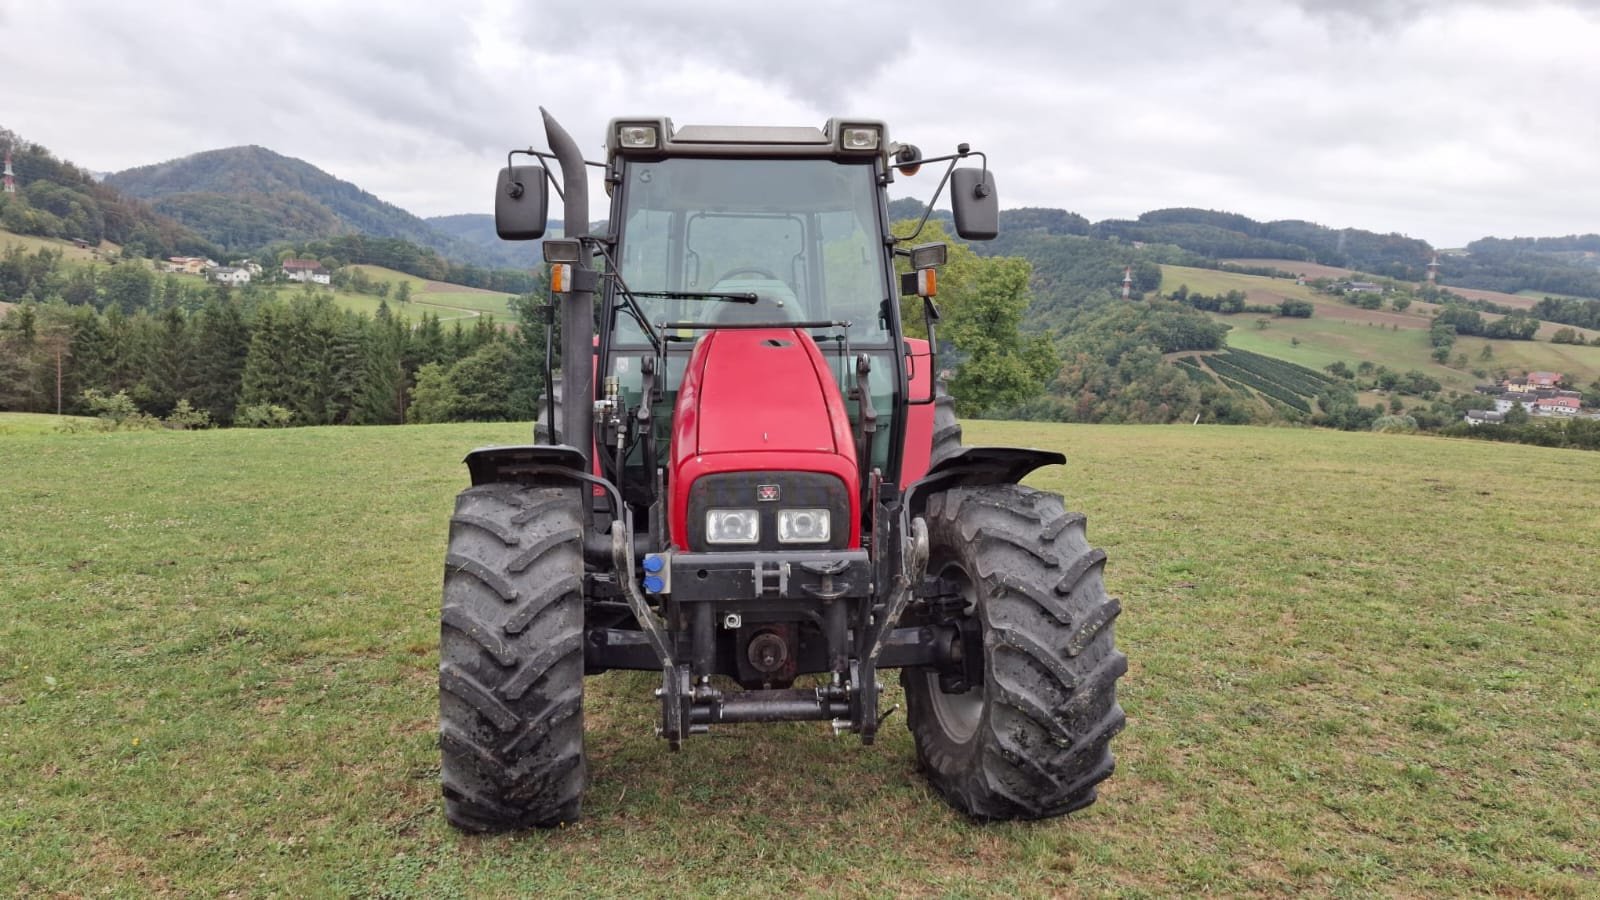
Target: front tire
[[511, 659], [1033, 740], [541, 425], [946, 429]]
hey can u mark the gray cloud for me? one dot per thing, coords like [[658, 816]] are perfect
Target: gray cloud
[[1445, 120]]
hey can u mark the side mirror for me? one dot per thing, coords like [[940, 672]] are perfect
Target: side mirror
[[975, 204], [521, 203]]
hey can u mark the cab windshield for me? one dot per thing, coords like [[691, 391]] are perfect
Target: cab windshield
[[789, 240]]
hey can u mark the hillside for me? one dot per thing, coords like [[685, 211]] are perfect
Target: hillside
[[1219, 235], [56, 199], [247, 197], [1339, 331], [443, 299], [1337, 685], [477, 231]]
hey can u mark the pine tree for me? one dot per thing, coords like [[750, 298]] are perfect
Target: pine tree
[[346, 366], [428, 344], [221, 344], [264, 380], [382, 398], [527, 356], [459, 345], [92, 351]]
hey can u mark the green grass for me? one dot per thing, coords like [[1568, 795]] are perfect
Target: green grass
[[435, 294], [1212, 282], [1582, 363], [36, 423], [1324, 342], [1360, 664], [70, 252]]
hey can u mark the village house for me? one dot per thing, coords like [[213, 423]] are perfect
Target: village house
[[1361, 287], [1504, 403], [1536, 393], [230, 275], [190, 265], [1564, 403], [306, 270]]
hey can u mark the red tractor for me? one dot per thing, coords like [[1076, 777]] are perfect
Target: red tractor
[[749, 480]]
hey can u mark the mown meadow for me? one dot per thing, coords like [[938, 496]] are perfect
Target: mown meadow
[[1360, 663]]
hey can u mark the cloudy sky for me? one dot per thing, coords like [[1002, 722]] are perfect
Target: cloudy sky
[[1440, 119]]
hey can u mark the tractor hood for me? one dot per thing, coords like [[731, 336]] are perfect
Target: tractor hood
[[759, 400], [759, 391]]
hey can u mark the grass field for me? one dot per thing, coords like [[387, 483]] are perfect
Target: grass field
[[1360, 664], [1519, 300], [1399, 340], [436, 294], [70, 252], [449, 302], [34, 423]]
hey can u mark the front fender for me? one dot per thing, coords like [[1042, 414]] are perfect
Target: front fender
[[978, 466], [490, 465]]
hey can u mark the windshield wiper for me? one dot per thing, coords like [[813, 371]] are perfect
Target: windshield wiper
[[698, 295]]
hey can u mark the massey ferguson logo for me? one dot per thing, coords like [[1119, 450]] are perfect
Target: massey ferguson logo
[[767, 493]]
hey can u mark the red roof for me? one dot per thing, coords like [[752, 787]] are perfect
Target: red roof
[[301, 264]]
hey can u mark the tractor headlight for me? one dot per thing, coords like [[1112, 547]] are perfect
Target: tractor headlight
[[733, 526], [803, 526], [859, 138], [637, 137]]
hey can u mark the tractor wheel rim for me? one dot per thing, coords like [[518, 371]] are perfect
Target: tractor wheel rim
[[959, 715]]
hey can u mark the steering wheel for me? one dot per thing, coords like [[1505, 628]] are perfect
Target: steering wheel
[[749, 270]]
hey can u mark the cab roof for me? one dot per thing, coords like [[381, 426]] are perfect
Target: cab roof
[[826, 142]]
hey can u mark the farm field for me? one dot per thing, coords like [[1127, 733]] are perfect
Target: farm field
[[1399, 340], [447, 301], [427, 293], [1308, 269], [1360, 664], [1519, 300], [70, 252], [1515, 301]]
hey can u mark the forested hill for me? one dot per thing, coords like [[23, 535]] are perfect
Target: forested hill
[[244, 198], [477, 231], [1054, 239], [57, 199], [1222, 235]]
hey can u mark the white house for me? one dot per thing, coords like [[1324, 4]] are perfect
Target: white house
[[229, 275], [1504, 402], [306, 270], [1564, 403]]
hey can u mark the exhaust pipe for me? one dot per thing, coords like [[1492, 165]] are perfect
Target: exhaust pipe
[[577, 307]]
